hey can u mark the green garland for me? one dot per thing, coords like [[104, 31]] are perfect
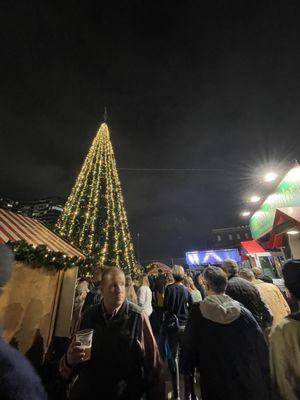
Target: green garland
[[40, 256]]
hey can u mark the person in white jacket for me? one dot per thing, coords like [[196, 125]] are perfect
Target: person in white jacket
[[144, 295]]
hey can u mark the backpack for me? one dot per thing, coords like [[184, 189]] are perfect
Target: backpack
[[171, 322]]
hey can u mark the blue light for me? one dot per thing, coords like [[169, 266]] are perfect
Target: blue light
[[206, 257]]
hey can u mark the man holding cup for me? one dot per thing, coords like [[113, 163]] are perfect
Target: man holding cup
[[114, 356]]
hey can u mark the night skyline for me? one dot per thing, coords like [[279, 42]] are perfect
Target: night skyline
[[187, 86]]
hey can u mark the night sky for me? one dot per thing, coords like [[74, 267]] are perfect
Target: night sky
[[188, 85]]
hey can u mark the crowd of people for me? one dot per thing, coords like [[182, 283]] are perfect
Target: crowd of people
[[215, 328], [224, 333]]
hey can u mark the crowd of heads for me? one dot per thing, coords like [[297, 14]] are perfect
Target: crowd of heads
[[115, 286], [213, 279]]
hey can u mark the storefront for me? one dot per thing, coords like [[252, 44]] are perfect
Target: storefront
[[254, 255]]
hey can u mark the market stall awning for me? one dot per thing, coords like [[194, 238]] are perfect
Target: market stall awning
[[286, 196], [14, 227], [251, 246], [285, 218]]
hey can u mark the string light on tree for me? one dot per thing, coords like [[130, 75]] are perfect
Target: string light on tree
[[94, 217]]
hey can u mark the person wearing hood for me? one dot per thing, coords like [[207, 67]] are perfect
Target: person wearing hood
[[224, 342]]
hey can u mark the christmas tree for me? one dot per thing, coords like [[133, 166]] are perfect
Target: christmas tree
[[94, 217]]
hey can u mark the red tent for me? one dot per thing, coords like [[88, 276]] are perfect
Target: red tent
[[251, 246]]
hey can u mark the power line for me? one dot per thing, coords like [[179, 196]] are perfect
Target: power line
[[175, 169]]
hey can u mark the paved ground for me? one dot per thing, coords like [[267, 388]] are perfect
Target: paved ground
[[169, 391]]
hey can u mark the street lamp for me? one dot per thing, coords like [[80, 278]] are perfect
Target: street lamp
[[246, 213], [270, 176], [293, 232], [254, 199]]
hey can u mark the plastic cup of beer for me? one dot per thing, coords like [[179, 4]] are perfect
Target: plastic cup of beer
[[85, 337]]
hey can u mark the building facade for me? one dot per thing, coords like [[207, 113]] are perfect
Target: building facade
[[47, 209], [230, 238]]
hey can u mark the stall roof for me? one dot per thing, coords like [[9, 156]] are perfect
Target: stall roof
[[14, 227], [285, 219], [284, 214], [285, 196], [251, 246]]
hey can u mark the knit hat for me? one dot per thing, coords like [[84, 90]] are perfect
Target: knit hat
[[6, 263], [291, 275]]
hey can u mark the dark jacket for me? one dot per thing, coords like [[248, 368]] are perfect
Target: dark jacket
[[18, 380], [231, 355], [151, 279], [160, 283], [200, 287], [178, 301], [118, 368], [92, 298], [246, 293]]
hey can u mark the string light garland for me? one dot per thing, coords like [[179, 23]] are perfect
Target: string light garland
[[40, 256], [94, 217]]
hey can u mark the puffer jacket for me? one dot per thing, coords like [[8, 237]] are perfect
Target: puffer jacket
[[247, 294]]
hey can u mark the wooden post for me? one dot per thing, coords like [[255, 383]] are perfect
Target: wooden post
[[294, 241], [55, 308], [66, 303]]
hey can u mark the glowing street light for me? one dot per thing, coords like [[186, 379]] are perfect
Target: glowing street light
[[246, 213], [293, 232], [254, 199], [270, 176]]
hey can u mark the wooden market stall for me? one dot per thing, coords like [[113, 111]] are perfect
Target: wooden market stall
[[276, 224], [287, 222], [37, 303]]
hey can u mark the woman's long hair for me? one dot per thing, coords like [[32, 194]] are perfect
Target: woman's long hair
[[130, 292], [189, 283], [144, 281]]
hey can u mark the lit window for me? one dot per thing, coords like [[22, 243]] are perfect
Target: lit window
[[238, 236], [230, 236], [219, 239]]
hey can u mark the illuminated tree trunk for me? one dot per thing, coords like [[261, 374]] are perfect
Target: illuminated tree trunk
[[94, 217]]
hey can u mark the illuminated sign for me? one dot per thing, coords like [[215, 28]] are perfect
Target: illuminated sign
[[194, 258]]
